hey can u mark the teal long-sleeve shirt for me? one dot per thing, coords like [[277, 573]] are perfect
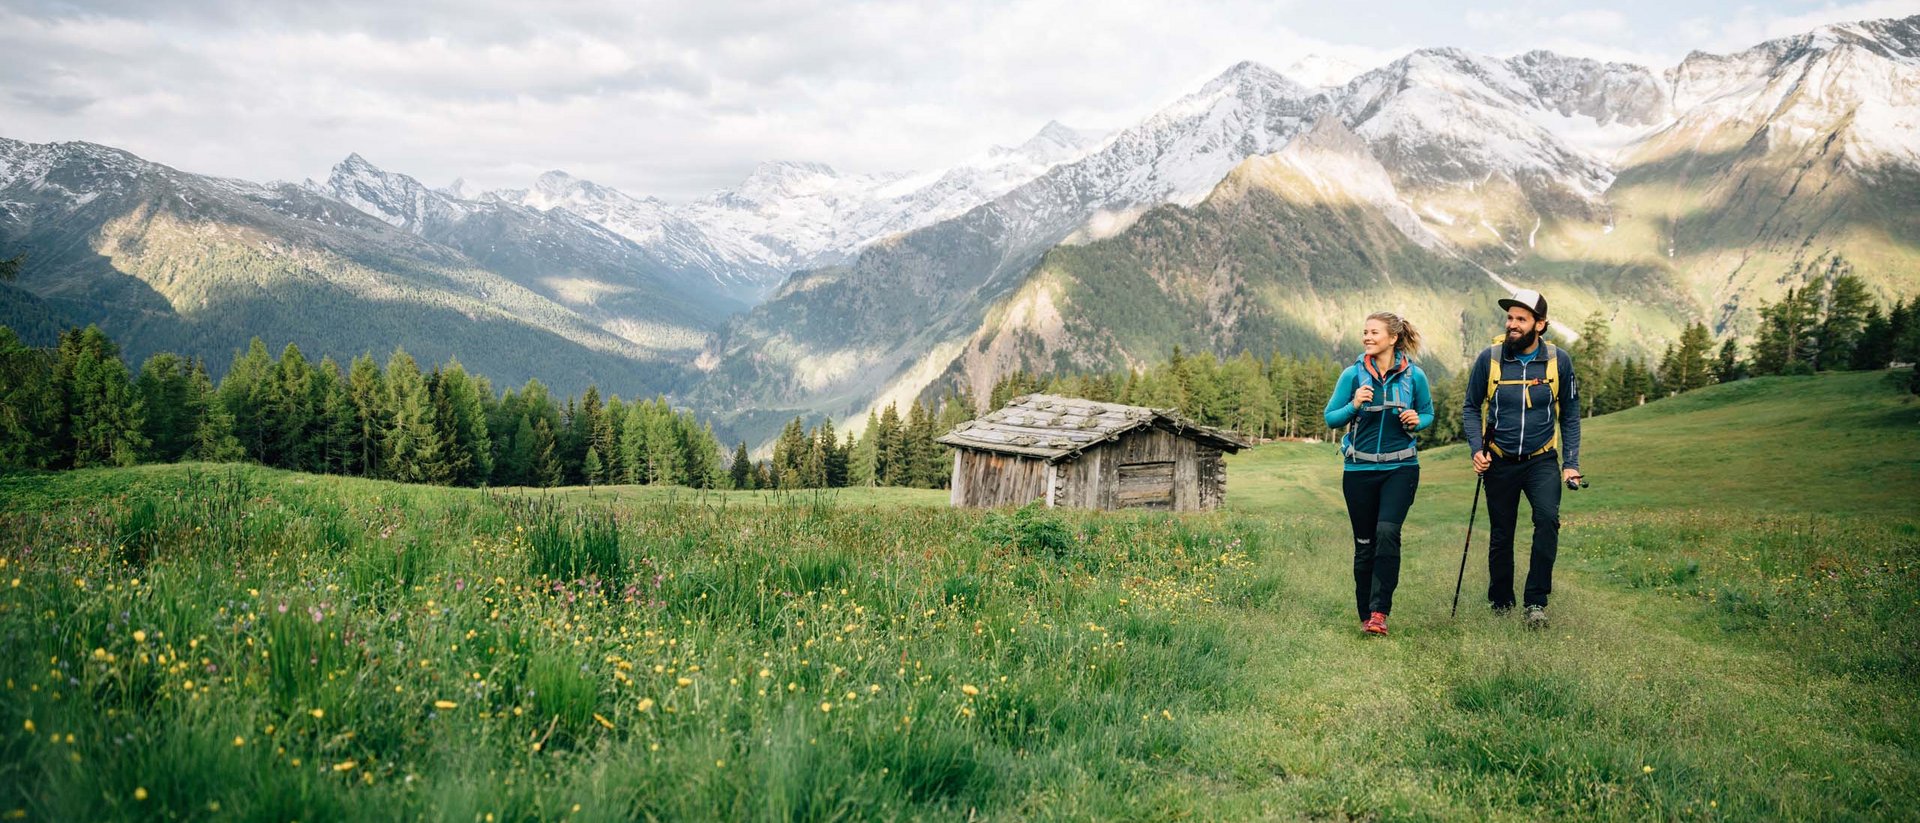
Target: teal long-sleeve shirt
[[1380, 432]]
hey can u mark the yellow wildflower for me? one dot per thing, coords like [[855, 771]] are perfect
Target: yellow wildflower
[[139, 792], [344, 766], [239, 741], [826, 707], [646, 704], [602, 721], [139, 637], [969, 690], [444, 704], [318, 713]]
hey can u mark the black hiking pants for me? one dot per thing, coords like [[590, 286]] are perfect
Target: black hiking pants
[[1539, 479], [1377, 503]]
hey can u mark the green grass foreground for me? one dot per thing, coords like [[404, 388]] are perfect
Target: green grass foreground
[[1736, 636]]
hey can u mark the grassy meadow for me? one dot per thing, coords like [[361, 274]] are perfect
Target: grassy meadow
[[1736, 636]]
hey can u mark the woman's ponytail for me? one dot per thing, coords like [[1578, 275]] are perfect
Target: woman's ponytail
[[1406, 339]]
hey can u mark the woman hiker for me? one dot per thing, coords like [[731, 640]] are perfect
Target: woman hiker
[[1383, 399]]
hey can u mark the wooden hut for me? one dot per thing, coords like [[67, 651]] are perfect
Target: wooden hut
[[1085, 454]]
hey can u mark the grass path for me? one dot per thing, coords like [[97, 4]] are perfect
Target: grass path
[[1459, 718]]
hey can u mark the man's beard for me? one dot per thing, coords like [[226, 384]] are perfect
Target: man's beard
[[1513, 345]]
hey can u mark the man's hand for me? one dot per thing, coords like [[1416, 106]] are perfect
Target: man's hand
[[1481, 460], [1570, 475], [1410, 419], [1363, 395]]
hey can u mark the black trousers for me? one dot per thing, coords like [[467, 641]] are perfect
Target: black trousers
[[1377, 503], [1539, 479]]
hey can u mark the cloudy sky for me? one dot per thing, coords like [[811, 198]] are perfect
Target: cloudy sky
[[675, 99]]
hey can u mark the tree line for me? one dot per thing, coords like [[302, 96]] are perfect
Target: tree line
[[77, 405], [1833, 323], [892, 450]]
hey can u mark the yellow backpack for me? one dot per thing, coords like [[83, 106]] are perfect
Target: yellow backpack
[[1553, 385]]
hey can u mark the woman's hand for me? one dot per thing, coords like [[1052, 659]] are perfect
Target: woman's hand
[[1363, 396], [1410, 419]]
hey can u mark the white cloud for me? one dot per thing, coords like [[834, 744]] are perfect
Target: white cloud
[[676, 98]]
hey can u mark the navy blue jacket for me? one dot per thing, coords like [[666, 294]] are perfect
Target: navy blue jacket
[[1517, 427]]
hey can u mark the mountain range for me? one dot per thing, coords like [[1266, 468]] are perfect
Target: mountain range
[[1265, 211]]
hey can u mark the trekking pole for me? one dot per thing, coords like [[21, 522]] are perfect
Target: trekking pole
[[1478, 480]]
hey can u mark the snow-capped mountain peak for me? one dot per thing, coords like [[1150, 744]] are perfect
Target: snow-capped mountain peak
[[399, 200], [1322, 72]]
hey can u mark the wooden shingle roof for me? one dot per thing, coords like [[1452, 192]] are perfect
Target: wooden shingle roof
[[1057, 428]]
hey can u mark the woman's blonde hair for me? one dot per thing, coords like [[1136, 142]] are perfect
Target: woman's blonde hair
[[1406, 339]]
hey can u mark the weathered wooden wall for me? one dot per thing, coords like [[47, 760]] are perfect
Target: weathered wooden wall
[[985, 480], [1147, 468]]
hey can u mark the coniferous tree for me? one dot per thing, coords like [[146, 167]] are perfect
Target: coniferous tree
[[546, 462], [104, 413], [633, 443], [583, 420], [919, 447], [413, 441], [591, 466], [663, 450], [1875, 349], [31, 415], [367, 394], [1688, 365], [740, 471], [468, 437], [1843, 321], [1788, 333], [1727, 367], [890, 460], [173, 408], [287, 403], [611, 437], [213, 439], [242, 391], [335, 421], [863, 457], [514, 466], [833, 457], [1590, 357], [789, 450], [453, 462]]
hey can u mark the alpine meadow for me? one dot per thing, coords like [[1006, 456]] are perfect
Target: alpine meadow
[[777, 415]]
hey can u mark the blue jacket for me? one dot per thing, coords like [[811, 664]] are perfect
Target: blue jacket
[[1377, 431], [1520, 419]]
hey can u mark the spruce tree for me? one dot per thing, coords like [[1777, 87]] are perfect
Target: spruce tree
[[1843, 323], [367, 394], [740, 471], [663, 451], [1727, 368], [467, 425], [1875, 349], [31, 414], [242, 391], [863, 456], [413, 441], [336, 421], [104, 413], [289, 406], [633, 443], [173, 408]]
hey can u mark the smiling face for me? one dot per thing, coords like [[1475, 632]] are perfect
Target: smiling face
[[1521, 324], [1375, 339]]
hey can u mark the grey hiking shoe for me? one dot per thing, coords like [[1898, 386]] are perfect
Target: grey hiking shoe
[[1536, 617]]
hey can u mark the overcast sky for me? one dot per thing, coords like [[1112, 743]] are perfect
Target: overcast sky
[[675, 99]]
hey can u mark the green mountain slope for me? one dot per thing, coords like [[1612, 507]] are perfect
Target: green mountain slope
[[169, 261]]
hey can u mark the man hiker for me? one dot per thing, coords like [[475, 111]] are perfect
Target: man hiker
[[1528, 442]]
